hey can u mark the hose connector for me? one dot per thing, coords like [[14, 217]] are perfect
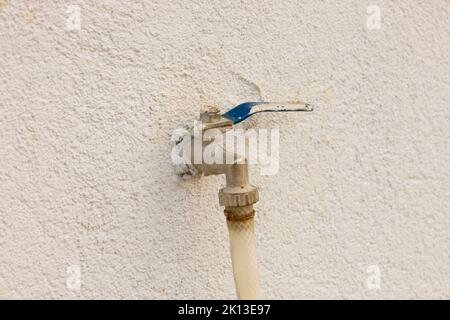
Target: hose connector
[[239, 195]]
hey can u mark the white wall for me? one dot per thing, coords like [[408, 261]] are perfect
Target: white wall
[[86, 118]]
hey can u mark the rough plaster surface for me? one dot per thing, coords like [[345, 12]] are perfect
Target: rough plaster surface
[[85, 124]]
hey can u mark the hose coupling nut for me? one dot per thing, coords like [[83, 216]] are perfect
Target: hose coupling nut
[[234, 197]]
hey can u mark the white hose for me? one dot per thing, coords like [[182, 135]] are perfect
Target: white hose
[[243, 257]]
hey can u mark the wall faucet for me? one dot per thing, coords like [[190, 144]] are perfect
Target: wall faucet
[[238, 196]]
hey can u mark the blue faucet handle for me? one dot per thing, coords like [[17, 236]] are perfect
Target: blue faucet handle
[[244, 110]]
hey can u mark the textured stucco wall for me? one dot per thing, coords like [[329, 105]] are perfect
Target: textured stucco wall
[[86, 118]]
